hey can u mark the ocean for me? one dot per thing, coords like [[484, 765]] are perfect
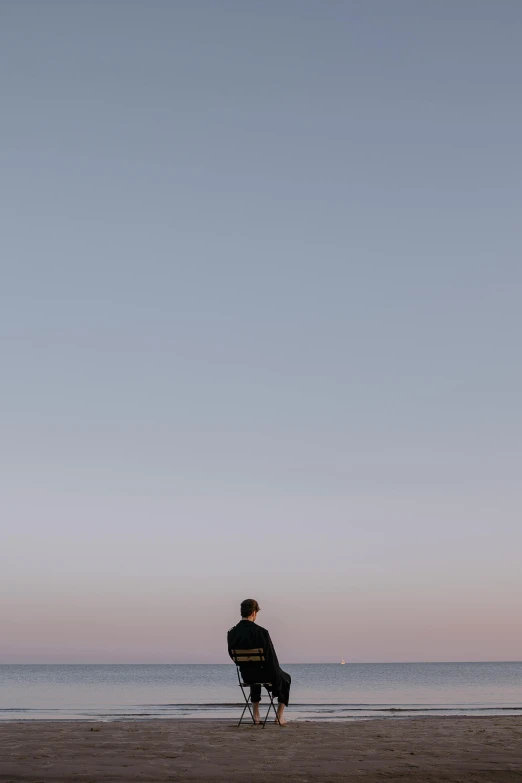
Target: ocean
[[355, 691]]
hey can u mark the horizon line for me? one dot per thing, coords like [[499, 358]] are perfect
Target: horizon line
[[230, 663]]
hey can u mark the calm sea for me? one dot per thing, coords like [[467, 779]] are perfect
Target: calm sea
[[319, 691]]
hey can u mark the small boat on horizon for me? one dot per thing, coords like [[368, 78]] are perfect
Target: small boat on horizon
[[343, 662]]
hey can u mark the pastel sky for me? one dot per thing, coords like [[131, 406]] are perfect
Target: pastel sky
[[260, 328]]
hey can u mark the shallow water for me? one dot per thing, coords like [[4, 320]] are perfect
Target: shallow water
[[319, 691]]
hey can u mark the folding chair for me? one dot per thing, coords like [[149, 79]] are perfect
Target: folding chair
[[256, 655]]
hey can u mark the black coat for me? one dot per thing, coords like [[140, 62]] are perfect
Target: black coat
[[246, 635]]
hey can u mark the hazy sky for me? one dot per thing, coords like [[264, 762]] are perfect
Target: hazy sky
[[260, 307]]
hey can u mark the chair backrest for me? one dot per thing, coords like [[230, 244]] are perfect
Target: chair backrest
[[255, 655]]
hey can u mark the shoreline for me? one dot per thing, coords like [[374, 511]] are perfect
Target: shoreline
[[299, 713], [475, 749], [230, 719]]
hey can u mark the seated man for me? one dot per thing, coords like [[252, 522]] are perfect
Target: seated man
[[245, 636]]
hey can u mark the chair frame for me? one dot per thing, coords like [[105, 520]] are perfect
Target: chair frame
[[254, 655]]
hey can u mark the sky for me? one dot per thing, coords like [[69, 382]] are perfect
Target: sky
[[260, 329]]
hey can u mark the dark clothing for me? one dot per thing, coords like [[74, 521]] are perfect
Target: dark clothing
[[282, 692], [246, 635]]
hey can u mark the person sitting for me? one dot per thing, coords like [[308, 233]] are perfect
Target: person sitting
[[246, 635]]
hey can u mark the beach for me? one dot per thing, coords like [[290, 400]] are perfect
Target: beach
[[476, 749]]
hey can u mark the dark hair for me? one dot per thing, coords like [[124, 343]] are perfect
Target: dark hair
[[248, 607]]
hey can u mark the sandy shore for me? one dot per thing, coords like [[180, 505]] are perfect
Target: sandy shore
[[414, 749]]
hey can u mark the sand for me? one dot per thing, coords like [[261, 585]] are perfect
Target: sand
[[414, 749]]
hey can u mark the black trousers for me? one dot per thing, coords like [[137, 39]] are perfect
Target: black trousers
[[281, 689]]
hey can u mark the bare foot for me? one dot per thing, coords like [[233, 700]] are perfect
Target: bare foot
[[257, 717], [280, 711]]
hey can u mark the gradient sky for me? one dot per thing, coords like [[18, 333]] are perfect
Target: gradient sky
[[260, 307]]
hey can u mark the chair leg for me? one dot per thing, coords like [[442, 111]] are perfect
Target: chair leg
[[247, 705], [271, 705]]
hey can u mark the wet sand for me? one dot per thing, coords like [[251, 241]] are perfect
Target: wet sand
[[460, 749]]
